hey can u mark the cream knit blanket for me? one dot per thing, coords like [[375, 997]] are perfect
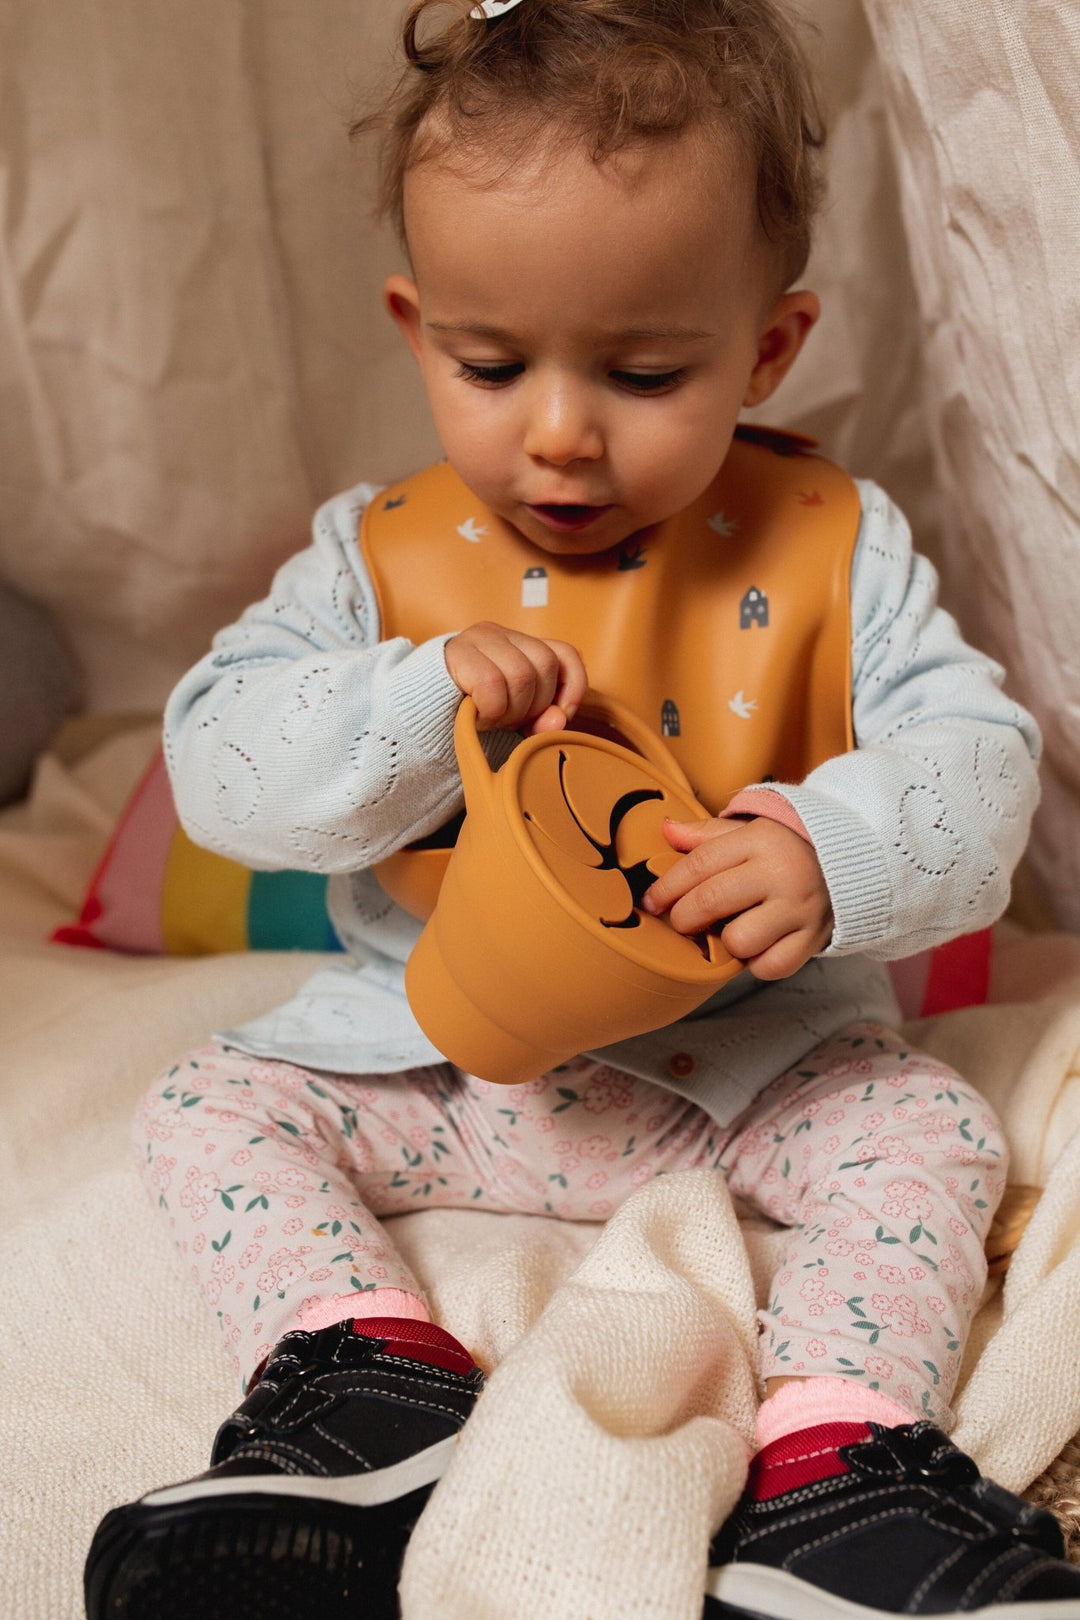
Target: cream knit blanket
[[611, 1439]]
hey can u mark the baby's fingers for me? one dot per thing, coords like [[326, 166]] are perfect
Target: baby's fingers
[[687, 835], [706, 861], [501, 686], [514, 679], [713, 902], [571, 684], [769, 945]]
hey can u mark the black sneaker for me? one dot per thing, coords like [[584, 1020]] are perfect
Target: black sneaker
[[908, 1526], [314, 1487]]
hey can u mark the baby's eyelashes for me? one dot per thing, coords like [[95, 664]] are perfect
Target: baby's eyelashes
[[492, 376], [498, 373], [649, 382]]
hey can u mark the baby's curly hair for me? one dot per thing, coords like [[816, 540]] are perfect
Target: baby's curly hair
[[611, 74]]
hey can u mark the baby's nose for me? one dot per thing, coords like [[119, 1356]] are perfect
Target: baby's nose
[[562, 427]]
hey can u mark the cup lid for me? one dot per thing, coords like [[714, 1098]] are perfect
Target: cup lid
[[591, 822]]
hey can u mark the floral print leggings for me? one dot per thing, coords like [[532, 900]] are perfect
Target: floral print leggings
[[885, 1166]]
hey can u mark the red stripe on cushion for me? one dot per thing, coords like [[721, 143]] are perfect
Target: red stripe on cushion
[[959, 974]]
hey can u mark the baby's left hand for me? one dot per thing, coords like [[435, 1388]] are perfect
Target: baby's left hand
[[760, 874]]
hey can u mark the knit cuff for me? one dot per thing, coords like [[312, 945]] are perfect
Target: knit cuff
[[853, 863], [425, 699], [770, 806]]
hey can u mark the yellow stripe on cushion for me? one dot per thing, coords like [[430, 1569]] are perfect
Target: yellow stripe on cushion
[[203, 901]]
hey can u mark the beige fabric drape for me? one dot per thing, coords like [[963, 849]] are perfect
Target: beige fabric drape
[[984, 105], [192, 349]]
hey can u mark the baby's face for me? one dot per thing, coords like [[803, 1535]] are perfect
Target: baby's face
[[589, 333]]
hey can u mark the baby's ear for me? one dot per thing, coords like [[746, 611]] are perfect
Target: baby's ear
[[402, 300], [783, 334]]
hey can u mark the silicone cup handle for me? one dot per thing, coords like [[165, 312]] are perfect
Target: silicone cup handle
[[477, 777]]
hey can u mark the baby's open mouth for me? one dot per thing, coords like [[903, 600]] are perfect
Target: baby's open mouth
[[566, 516]]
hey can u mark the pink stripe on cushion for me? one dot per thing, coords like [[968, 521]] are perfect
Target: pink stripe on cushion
[[130, 886], [122, 909], [909, 975]]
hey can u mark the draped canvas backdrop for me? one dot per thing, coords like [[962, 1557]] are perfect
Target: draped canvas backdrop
[[193, 353]]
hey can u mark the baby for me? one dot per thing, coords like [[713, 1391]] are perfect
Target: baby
[[606, 207]]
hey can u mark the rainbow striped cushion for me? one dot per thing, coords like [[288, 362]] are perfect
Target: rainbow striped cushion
[[156, 893]]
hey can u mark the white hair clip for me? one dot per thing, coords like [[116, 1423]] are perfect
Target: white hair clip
[[488, 10]]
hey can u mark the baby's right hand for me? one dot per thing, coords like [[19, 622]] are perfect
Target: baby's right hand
[[517, 681]]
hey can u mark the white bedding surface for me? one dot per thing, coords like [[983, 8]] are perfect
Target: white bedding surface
[[623, 1382]]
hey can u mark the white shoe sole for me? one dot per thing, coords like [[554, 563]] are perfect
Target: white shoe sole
[[356, 1490], [761, 1593]]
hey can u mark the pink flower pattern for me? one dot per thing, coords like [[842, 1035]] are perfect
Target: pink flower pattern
[[884, 1165]]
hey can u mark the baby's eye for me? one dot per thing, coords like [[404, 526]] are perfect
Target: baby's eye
[[489, 376], [648, 382]]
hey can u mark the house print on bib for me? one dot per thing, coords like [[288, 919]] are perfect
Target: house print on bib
[[670, 725], [754, 610], [534, 587]]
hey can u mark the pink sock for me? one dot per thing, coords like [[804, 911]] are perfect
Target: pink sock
[[400, 1319], [366, 1302], [803, 1428], [806, 1402]]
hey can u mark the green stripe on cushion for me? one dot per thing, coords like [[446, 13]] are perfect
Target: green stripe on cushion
[[287, 912]]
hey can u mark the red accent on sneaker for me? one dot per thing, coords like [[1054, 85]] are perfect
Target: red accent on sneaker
[[800, 1458], [423, 1341]]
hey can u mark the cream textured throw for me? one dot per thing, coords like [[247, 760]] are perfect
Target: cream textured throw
[[611, 1438]]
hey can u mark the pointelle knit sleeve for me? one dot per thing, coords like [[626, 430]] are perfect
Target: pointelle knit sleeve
[[919, 828], [301, 740]]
